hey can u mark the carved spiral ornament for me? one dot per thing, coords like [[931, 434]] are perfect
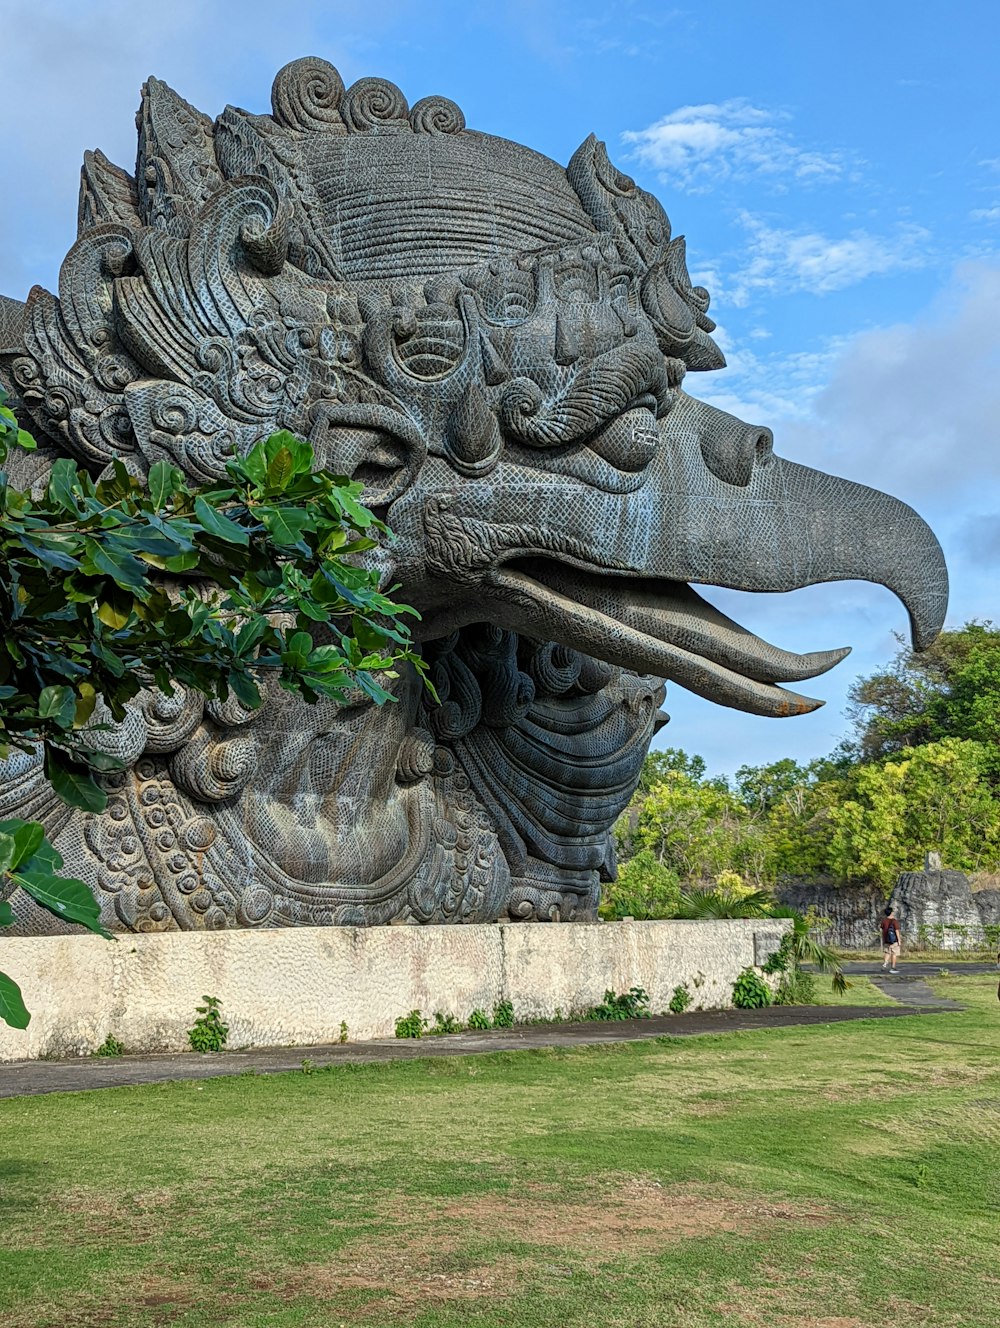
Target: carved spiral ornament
[[306, 94], [373, 105], [436, 115]]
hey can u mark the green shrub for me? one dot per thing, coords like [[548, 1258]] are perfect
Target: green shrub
[[750, 991], [632, 1004], [208, 1032], [412, 1025], [796, 987], [343, 1031], [503, 1015], [681, 999], [445, 1023], [110, 1047], [644, 889], [479, 1019]]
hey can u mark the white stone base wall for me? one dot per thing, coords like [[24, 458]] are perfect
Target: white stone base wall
[[294, 986]]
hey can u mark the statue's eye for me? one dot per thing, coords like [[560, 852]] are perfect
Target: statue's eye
[[621, 291], [509, 297], [576, 286]]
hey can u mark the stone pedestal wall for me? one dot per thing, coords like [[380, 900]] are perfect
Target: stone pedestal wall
[[280, 988]]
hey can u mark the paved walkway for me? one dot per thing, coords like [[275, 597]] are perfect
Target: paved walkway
[[919, 969], [25, 1078]]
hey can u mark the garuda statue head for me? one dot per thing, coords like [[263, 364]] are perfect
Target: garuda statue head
[[498, 348]]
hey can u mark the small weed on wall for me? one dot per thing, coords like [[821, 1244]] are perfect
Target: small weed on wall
[[208, 1033], [110, 1047]]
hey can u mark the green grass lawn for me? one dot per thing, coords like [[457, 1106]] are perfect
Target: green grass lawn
[[837, 1177]]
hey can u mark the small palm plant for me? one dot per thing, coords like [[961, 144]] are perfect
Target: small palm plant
[[804, 948], [722, 902]]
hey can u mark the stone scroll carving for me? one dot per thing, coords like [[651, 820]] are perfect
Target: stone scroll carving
[[497, 348]]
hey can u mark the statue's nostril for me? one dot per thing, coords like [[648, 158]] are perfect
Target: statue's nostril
[[764, 445]]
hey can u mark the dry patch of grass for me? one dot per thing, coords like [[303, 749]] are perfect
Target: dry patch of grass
[[429, 1251], [157, 1299]]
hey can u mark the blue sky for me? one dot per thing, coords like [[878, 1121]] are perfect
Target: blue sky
[[836, 169]]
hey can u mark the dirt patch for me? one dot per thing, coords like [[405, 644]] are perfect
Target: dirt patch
[[97, 1214], [169, 1299], [430, 1250]]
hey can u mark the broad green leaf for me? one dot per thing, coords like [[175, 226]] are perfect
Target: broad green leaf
[[245, 690], [286, 524], [27, 838], [8, 853], [6, 914], [12, 1008], [183, 562], [64, 896], [123, 569], [253, 466], [280, 468], [104, 761], [62, 490], [57, 704], [87, 700], [25, 440], [164, 481], [116, 609], [218, 524], [72, 781], [250, 635], [50, 550]]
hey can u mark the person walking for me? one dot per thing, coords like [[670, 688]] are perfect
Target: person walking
[[890, 940]]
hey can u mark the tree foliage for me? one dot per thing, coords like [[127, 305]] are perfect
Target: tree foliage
[[113, 585], [921, 771], [951, 690]]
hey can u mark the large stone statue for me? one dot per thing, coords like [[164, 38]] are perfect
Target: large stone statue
[[497, 347]]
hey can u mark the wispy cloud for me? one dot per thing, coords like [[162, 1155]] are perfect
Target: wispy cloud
[[696, 147], [777, 259], [985, 214]]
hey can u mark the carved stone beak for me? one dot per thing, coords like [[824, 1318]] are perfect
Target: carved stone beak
[[788, 526]]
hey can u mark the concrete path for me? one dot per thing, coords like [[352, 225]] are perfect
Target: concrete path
[[911, 989], [917, 968], [25, 1078]]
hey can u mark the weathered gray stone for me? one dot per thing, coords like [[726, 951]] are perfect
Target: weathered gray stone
[[497, 347], [853, 910], [936, 909], [940, 909]]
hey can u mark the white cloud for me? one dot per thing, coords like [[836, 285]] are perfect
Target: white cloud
[[918, 403], [696, 147], [775, 259], [986, 214]]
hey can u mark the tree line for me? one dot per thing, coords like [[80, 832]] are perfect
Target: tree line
[[919, 771]]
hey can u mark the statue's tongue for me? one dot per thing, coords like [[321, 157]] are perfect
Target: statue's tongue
[[663, 629]]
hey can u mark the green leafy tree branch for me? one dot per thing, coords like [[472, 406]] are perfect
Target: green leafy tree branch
[[120, 584]]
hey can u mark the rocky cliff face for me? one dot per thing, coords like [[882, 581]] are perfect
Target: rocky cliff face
[[853, 910], [937, 909], [940, 909]]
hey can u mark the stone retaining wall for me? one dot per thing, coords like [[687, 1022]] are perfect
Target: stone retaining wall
[[295, 986]]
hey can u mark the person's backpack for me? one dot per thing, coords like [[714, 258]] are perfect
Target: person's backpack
[[891, 935]]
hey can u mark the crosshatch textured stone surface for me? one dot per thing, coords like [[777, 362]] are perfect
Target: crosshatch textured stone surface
[[296, 986], [497, 347]]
